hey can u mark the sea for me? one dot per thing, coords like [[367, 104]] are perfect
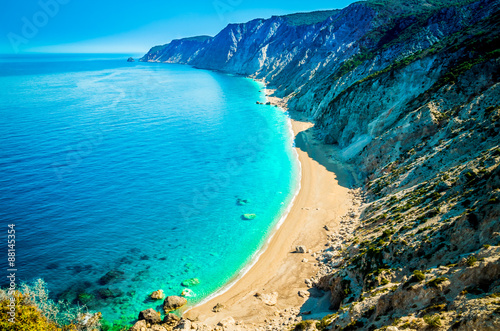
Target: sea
[[122, 178]]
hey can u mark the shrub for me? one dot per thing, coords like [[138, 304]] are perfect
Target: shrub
[[304, 325], [418, 276], [436, 281], [471, 260], [36, 312], [433, 321]]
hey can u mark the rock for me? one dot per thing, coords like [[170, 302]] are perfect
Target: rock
[[157, 295], [304, 294], [184, 325], [300, 249], [130, 59], [227, 322], [105, 293], [190, 282], [218, 307], [326, 228], [150, 315], [139, 326], [248, 216], [171, 320], [241, 202], [157, 327], [173, 302], [304, 260], [112, 276], [268, 299], [392, 328]]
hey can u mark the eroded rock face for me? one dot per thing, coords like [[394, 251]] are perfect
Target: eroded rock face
[[173, 302]]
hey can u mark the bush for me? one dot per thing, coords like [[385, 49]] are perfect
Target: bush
[[471, 260], [433, 321], [304, 325], [36, 312], [418, 276], [436, 281]]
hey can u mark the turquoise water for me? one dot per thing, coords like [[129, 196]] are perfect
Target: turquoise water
[[137, 168]]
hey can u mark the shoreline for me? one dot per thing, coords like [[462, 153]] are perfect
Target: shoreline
[[320, 202], [256, 256]]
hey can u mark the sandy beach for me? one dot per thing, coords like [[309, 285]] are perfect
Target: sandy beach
[[324, 197]]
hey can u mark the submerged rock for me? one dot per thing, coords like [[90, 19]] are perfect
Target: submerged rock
[[190, 282], [106, 293], [112, 277], [173, 302], [248, 216], [242, 202], [150, 316]]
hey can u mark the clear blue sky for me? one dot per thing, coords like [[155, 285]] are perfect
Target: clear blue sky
[[112, 26]]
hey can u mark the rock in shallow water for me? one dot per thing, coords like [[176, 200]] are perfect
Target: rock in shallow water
[[157, 295], [173, 302]]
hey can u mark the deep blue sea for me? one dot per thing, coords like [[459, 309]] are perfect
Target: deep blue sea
[[137, 168]]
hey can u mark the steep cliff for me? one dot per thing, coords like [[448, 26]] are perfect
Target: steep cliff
[[409, 93]]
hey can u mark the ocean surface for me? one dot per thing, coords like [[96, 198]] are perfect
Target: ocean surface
[[138, 171]]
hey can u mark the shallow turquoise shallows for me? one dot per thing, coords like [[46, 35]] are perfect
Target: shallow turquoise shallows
[[125, 178]]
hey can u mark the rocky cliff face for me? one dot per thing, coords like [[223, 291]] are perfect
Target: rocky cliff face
[[409, 92]]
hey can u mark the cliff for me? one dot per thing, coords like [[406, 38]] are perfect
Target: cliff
[[408, 91]]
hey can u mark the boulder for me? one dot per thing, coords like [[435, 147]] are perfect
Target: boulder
[[171, 320], [184, 325], [150, 315], [248, 216], [218, 307], [304, 294], [139, 326], [173, 302], [300, 249], [157, 295], [227, 322], [130, 59], [268, 299]]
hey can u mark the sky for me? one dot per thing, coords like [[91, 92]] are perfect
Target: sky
[[128, 27]]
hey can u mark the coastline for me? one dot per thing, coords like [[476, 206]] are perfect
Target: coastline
[[320, 201]]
